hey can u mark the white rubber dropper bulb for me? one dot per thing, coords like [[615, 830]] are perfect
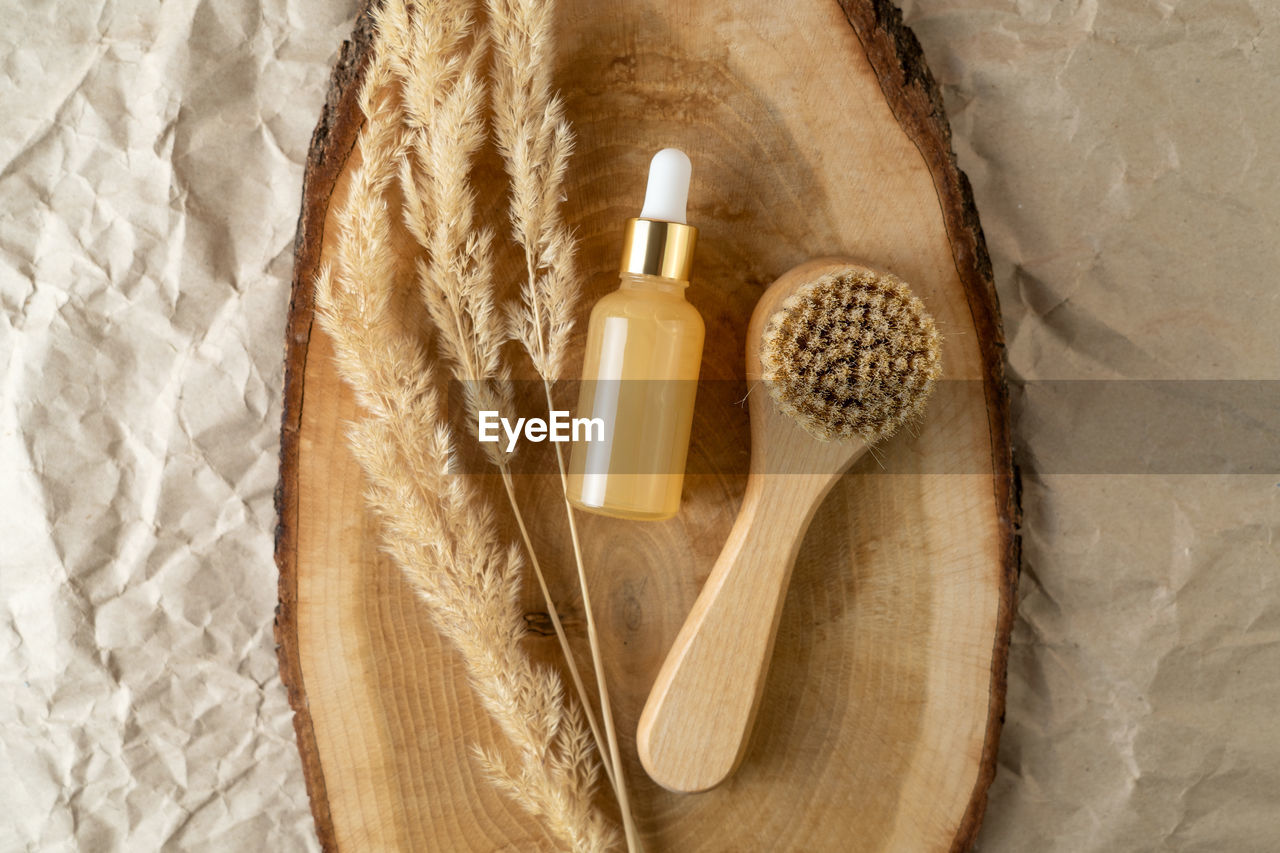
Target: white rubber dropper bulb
[[667, 195]]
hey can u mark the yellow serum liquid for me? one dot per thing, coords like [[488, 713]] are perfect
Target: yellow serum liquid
[[640, 376]]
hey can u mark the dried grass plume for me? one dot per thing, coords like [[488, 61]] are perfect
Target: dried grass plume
[[535, 141], [439, 531]]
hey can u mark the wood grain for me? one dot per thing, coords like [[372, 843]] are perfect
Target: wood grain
[[815, 129]]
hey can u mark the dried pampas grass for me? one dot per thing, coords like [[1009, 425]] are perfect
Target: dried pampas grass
[[535, 141], [436, 527], [443, 96], [438, 56]]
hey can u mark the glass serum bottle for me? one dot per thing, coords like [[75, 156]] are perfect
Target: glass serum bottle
[[640, 371]]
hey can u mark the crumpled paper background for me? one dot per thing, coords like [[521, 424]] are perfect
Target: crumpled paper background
[[150, 169], [152, 163], [1122, 157]]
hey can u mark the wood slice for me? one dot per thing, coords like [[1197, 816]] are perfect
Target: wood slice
[[815, 129]]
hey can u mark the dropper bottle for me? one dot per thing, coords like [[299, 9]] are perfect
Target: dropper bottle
[[640, 370]]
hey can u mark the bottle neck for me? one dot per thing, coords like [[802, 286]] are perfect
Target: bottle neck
[[653, 284]]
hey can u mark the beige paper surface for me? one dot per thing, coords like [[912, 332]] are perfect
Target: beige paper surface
[[1123, 159], [150, 167], [1124, 162]]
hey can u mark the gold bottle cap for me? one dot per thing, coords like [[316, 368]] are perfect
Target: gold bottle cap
[[658, 247]]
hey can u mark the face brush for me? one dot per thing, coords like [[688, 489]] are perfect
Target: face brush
[[849, 355]]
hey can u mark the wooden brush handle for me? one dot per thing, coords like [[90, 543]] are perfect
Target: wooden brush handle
[[695, 725]]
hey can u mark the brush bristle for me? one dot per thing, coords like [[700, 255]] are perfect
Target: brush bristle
[[852, 354]]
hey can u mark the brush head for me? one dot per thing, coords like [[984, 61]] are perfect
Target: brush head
[[852, 354]]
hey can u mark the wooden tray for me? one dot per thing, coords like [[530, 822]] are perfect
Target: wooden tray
[[815, 129]]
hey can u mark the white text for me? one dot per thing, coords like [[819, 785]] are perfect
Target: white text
[[560, 428]]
